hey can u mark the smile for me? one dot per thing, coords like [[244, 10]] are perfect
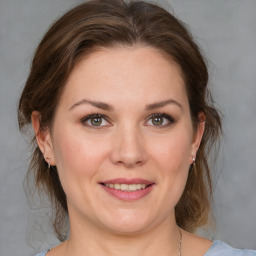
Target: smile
[[126, 187]]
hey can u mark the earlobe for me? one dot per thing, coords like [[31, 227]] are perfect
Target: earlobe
[[43, 138], [198, 133]]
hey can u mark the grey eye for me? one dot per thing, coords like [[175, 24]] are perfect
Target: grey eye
[[160, 120], [157, 120], [95, 121]]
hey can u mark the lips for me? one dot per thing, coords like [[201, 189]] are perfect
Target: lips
[[127, 189], [127, 181]]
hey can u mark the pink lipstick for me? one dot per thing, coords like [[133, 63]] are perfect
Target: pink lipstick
[[128, 189]]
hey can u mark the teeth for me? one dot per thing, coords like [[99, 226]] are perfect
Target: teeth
[[133, 187], [126, 187], [139, 186], [117, 186]]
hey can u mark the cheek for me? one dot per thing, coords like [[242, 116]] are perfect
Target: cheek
[[172, 153], [171, 160], [78, 159], [77, 156]]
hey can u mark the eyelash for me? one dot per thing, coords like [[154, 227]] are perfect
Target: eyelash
[[170, 119], [91, 116]]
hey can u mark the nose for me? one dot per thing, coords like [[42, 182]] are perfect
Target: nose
[[128, 148]]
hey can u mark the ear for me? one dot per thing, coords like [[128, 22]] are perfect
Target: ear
[[198, 134], [43, 138]]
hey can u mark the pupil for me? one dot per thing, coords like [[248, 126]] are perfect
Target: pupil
[[158, 121], [96, 121]]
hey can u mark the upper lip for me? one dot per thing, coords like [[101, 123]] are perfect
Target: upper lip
[[127, 181]]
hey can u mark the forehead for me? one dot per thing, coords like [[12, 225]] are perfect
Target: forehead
[[134, 74]]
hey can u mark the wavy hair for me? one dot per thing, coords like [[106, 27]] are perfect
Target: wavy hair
[[108, 23]]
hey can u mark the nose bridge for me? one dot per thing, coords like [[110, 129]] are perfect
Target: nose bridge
[[129, 148]]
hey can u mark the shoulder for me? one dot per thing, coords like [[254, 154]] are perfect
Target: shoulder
[[220, 248], [42, 253]]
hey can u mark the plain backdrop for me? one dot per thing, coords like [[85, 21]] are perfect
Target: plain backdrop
[[225, 30]]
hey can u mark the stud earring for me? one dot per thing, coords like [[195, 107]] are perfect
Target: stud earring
[[47, 160], [193, 159]]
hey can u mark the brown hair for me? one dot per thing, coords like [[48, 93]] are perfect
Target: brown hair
[[106, 23]]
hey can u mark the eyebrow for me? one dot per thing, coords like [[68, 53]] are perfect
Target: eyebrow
[[108, 107], [96, 104], [162, 104]]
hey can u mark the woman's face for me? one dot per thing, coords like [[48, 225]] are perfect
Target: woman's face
[[122, 139]]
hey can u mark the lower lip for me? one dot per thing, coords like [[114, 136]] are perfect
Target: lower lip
[[128, 196]]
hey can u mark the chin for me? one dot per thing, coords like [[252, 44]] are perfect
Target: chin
[[128, 223], [127, 228]]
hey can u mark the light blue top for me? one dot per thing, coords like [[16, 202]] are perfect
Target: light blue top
[[218, 248]]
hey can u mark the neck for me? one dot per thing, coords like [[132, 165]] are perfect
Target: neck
[[89, 240]]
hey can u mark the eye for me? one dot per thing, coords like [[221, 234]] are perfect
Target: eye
[[160, 120], [95, 120]]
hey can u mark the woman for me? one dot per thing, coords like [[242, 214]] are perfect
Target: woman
[[117, 97]]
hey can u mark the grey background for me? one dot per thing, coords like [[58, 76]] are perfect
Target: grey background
[[226, 31]]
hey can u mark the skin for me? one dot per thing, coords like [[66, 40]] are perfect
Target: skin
[[127, 144]]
